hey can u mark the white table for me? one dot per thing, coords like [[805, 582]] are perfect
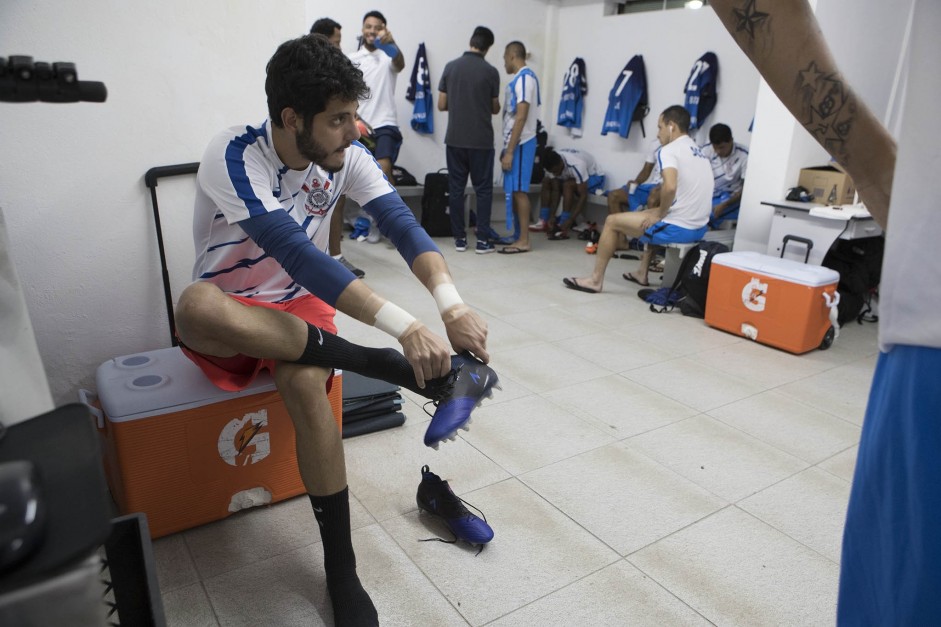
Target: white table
[[794, 229]]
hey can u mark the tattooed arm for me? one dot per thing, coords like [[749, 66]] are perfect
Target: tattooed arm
[[783, 40]]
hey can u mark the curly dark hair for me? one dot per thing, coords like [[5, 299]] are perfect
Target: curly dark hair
[[551, 160], [306, 73]]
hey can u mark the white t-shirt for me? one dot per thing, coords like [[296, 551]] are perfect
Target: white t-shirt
[[910, 289], [729, 172], [579, 165], [692, 205], [523, 87], [379, 109], [654, 178], [241, 175]]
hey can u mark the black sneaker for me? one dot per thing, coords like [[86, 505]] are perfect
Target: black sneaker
[[436, 497], [468, 383]]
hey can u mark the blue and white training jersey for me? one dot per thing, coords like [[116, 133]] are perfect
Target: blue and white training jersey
[[579, 165], [572, 101], [700, 90], [629, 91], [523, 87], [241, 176], [728, 174]]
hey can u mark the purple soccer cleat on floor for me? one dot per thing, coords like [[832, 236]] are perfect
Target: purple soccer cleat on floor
[[436, 497]]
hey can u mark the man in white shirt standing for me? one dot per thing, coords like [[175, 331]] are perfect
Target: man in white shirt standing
[[685, 204], [380, 60], [520, 113]]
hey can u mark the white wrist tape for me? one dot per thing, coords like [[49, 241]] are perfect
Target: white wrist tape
[[446, 296], [393, 319]]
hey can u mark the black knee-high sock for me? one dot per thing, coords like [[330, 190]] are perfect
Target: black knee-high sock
[[332, 351], [351, 604]]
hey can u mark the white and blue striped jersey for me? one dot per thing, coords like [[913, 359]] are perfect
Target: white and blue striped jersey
[[579, 165], [728, 173], [241, 176], [523, 87], [572, 101]]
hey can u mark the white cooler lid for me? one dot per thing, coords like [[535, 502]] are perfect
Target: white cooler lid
[[161, 382], [786, 269]]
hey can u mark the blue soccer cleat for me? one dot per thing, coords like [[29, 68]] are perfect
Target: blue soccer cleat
[[468, 383], [436, 497]]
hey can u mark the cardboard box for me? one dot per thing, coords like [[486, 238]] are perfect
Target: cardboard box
[[184, 452], [778, 302], [825, 181]]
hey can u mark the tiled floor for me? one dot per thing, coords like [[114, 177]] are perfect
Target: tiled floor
[[638, 469]]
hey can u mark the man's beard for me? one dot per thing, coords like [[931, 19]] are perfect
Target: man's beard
[[313, 150]]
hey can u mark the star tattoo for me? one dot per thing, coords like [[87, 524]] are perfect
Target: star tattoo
[[810, 76], [749, 17]]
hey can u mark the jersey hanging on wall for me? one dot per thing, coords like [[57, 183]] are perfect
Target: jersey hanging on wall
[[700, 90], [419, 93], [627, 101], [572, 102]]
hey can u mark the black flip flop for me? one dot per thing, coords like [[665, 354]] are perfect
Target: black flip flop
[[512, 250], [630, 277], [572, 284]]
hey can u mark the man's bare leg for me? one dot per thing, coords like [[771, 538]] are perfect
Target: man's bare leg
[[523, 207], [211, 323], [641, 273], [386, 165], [617, 198], [622, 224]]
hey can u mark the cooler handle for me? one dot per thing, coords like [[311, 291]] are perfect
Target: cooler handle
[[802, 240], [834, 313], [86, 398]]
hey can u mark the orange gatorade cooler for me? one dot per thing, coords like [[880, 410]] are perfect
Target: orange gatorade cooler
[[778, 302], [183, 451]]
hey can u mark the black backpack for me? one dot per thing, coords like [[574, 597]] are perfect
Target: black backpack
[[692, 282], [859, 263], [434, 204], [402, 177]]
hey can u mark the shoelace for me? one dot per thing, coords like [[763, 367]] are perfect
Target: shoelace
[[443, 390], [480, 547]]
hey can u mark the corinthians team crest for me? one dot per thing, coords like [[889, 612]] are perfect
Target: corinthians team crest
[[318, 197]]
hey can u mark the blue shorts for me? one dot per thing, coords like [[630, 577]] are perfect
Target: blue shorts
[[388, 141], [890, 572], [595, 182], [663, 233], [731, 212], [519, 176], [640, 196]]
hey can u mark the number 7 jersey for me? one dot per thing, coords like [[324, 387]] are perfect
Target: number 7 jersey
[[629, 93]]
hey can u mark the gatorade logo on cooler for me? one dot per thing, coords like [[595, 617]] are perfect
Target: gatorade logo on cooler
[[245, 440], [753, 295]]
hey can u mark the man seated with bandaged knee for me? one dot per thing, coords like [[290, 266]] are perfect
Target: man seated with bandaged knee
[[685, 204]]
